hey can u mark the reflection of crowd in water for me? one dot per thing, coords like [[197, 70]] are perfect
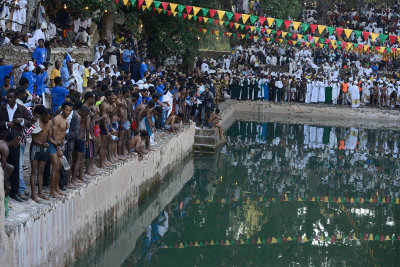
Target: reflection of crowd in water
[[308, 160]]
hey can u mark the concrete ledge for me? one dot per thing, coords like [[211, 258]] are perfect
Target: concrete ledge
[[55, 234], [314, 114]]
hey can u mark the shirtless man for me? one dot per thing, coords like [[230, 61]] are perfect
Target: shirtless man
[[115, 115], [12, 141], [137, 109], [172, 124], [136, 143], [57, 147], [383, 93], [106, 109], [125, 123], [374, 95], [213, 122], [145, 119], [129, 109], [89, 101], [81, 142], [38, 150]]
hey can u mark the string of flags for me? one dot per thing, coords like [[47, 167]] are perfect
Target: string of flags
[[247, 22], [342, 239], [326, 199]]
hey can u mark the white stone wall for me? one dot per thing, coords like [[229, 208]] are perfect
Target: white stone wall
[[57, 235]]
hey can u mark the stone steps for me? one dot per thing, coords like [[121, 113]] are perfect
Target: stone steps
[[206, 141]]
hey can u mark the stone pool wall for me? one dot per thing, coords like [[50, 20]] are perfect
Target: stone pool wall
[[56, 234]]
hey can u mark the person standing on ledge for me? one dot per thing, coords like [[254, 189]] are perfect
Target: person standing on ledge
[[56, 147], [14, 117]]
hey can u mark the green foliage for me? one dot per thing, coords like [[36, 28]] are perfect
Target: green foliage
[[282, 9]]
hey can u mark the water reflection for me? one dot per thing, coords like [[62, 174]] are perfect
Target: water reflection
[[284, 194]]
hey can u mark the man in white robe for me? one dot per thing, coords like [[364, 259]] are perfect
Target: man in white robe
[[355, 95], [321, 93], [314, 92], [308, 92], [19, 16]]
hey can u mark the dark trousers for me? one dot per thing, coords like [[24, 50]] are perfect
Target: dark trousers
[[13, 159]]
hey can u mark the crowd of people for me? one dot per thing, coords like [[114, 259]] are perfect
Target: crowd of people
[[70, 113], [53, 22], [108, 109], [277, 73]]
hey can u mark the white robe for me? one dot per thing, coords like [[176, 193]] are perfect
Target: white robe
[[19, 16], [321, 94], [355, 96], [335, 92], [314, 92], [308, 93]]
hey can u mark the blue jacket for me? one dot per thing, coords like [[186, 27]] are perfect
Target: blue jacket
[[126, 56], [58, 95], [31, 78], [39, 55]]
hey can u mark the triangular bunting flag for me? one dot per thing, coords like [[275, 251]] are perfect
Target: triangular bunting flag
[[229, 15], [164, 5], [339, 31], [261, 20], [331, 30], [313, 27], [196, 10], [383, 38], [245, 17], [374, 36], [204, 11], [181, 8], [237, 16], [140, 3], [305, 26], [357, 33], [253, 19], [270, 21], [321, 28], [287, 23], [173, 6], [212, 12], [157, 4], [365, 35], [348, 32], [296, 25], [392, 39], [159, 10], [278, 23], [221, 14], [148, 3]]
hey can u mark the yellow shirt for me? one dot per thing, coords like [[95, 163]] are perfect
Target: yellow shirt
[[85, 77], [54, 73]]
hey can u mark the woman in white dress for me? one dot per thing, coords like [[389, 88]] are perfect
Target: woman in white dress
[[314, 92]]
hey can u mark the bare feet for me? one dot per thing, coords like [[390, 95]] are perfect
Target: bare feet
[[55, 195], [95, 169], [60, 192], [34, 198], [43, 197], [71, 186]]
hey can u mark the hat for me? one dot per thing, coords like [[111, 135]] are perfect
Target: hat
[[43, 26]]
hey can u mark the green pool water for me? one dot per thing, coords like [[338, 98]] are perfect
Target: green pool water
[[274, 195]]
